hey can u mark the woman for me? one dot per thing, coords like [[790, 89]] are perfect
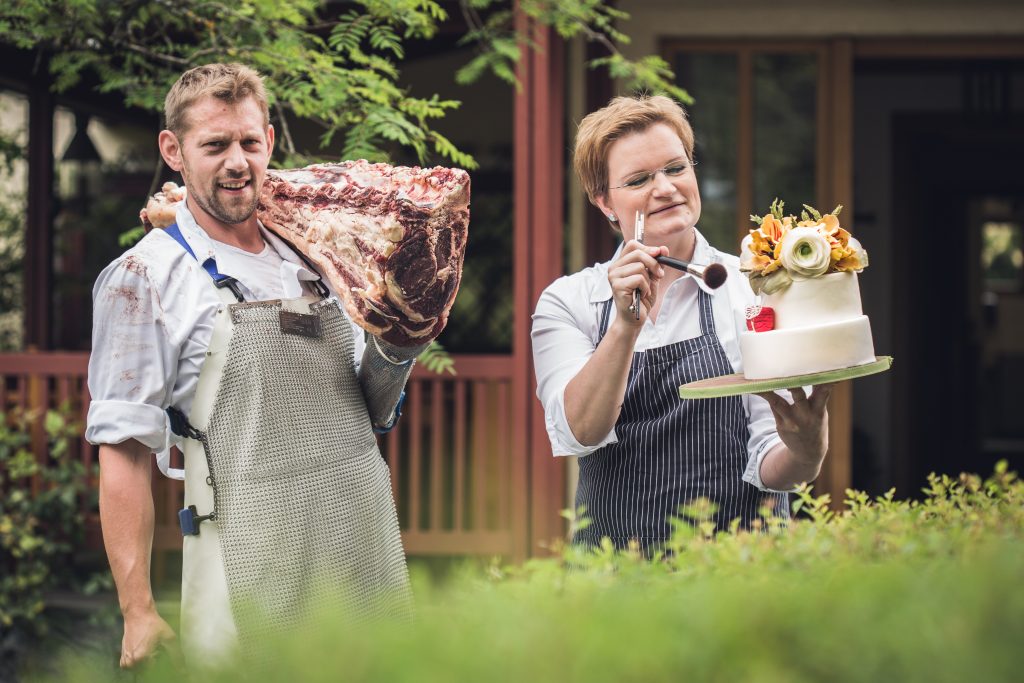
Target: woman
[[608, 378]]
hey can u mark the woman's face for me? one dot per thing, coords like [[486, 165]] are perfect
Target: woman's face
[[670, 199]]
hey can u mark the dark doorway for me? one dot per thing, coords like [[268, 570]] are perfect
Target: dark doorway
[[957, 294]]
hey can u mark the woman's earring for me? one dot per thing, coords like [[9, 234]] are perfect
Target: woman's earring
[[612, 218]]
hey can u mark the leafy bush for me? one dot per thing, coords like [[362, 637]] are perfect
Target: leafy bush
[[40, 532], [887, 590]]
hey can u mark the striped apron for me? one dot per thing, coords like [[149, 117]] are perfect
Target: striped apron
[[670, 451]]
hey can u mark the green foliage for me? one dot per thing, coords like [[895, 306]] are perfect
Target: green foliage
[[437, 359], [493, 31], [39, 530], [338, 69], [129, 237], [885, 590], [337, 72]]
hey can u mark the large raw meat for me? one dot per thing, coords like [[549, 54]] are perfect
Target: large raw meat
[[391, 239]]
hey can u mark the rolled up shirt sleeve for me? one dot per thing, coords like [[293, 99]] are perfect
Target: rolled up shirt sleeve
[[763, 437], [561, 348], [133, 364]]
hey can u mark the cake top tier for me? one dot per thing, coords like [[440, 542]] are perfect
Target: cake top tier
[[785, 248]]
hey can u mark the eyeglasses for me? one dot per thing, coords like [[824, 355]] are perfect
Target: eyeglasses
[[640, 180]]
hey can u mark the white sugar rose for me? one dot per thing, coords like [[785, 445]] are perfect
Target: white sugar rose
[[805, 252], [746, 255]]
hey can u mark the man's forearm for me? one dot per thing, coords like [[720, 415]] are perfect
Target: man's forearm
[[126, 517], [383, 373]]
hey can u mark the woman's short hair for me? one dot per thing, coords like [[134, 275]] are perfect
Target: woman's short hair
[[230, 83], [622, 116]]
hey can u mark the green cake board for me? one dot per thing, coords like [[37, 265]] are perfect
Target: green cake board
[[735, 385]]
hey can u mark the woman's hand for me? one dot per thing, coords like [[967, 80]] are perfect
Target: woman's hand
[[636, 268], [803, 428], [803, 424]]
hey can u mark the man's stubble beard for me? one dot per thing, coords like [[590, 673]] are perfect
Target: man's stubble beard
[[212, 205]]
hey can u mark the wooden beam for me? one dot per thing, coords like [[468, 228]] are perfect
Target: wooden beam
[[835, 170], [522, 193], [539, 182], [38, 276]]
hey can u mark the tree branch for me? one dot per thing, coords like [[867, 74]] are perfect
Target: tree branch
[[285, 131], [169, 59]]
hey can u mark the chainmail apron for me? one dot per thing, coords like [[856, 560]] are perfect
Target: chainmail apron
[[670, 451], [288, 461]]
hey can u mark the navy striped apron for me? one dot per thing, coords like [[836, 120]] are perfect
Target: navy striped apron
[[670, 451]]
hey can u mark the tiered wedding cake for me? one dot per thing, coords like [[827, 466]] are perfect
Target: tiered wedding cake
[[809, 318]]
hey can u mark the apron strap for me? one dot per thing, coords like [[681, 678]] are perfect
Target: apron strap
[[606, 314], [321, 289], [209, 265], [706, 313]]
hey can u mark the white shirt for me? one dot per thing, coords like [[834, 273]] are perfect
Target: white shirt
[[153, 313], [565, 333]]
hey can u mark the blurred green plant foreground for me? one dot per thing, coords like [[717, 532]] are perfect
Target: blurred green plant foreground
[[888, 590]]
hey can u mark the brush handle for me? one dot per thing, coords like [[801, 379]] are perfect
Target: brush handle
[[713, 275], [674, 263]]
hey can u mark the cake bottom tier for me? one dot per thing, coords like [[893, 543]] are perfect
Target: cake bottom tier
[[803, 350]]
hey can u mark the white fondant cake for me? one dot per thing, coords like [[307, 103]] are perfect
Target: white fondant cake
[[819, 326]]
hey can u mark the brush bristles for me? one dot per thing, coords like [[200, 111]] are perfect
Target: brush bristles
[[714, 275]]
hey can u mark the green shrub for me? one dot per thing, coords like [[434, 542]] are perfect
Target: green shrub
[[886, 591], [39, 533]]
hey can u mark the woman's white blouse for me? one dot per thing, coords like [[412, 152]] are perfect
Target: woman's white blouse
[[565, 334]]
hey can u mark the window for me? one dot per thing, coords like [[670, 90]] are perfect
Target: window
[[757, 122]]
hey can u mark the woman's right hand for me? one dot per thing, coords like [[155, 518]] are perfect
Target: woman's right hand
[[636, 268]]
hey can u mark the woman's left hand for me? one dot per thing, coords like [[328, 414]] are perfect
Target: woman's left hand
[[803, 424]]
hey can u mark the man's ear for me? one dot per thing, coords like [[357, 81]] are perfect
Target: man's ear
[[170, 150], [270, 139]]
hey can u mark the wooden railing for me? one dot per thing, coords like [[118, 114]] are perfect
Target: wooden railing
[[450, 455]]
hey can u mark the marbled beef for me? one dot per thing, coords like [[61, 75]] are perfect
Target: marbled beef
[[391, 239]]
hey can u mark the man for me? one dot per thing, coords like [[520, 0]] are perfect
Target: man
[[217, 335]]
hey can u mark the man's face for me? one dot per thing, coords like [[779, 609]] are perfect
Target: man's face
[[222, 157]]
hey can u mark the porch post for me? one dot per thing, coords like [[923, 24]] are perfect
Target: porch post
[[835, 161], [38, 277], [539, 216]]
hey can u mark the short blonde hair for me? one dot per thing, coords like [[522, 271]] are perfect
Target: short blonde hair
[[230, 83], [622, 116]]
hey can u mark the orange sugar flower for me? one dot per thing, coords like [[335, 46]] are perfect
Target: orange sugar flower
[[760, 244], [848, 262], [831, 222], [772, 228]]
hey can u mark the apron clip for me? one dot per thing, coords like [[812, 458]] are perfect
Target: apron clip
[[189, 521]]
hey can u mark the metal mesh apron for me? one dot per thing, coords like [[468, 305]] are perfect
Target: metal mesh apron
[[304, 509], [670, 451]]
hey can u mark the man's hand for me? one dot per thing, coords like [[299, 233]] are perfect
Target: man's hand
[[144, 635]]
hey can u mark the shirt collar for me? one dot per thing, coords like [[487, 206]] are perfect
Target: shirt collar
[[293, 267], [702, 254]]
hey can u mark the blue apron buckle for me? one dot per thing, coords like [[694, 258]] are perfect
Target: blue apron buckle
[[189, 521]]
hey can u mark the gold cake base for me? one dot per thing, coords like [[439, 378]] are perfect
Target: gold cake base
[[735, 385]]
